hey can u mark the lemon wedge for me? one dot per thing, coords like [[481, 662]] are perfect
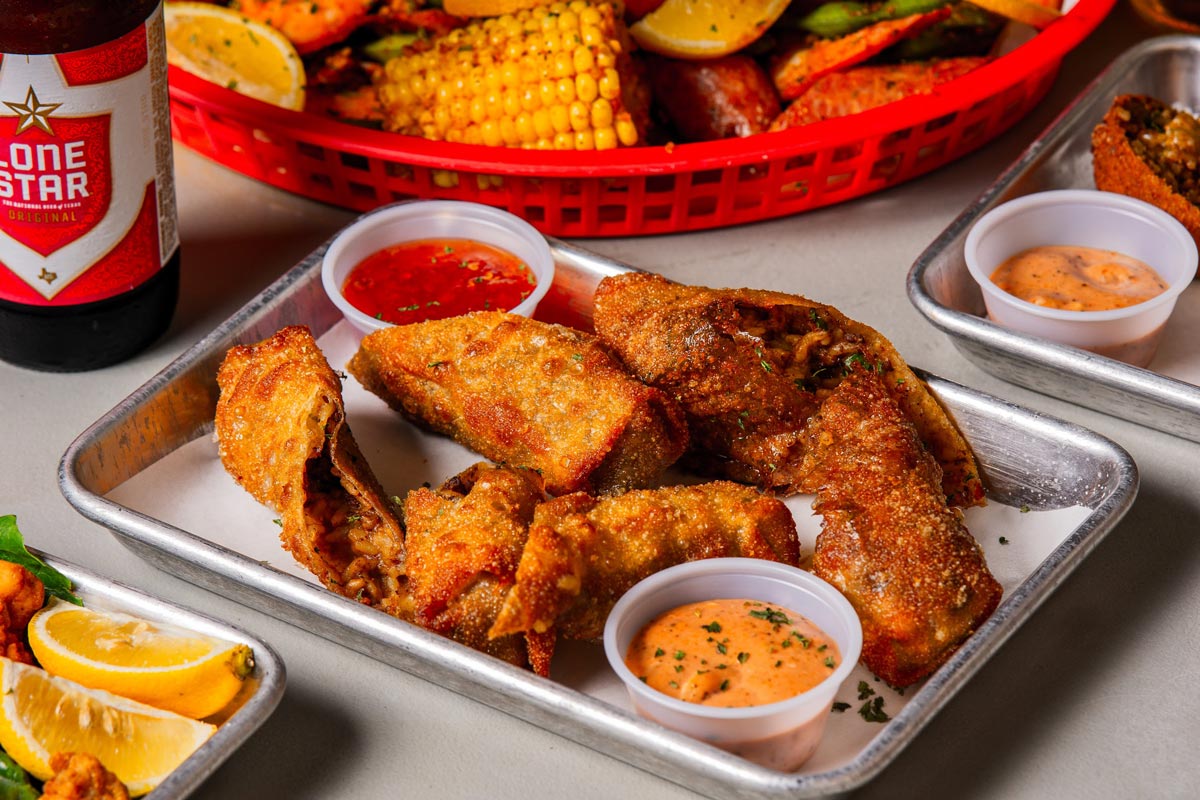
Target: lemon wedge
[[153, 663], [41, 715], [705, 28], [222, 46]]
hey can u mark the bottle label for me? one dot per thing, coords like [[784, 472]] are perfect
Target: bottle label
[[87, 199]]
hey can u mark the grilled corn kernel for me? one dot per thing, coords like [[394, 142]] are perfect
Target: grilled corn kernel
[[548, 77]]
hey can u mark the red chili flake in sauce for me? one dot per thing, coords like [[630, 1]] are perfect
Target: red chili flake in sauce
[[436, 279]]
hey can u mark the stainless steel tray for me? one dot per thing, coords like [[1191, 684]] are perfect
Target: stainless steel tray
[[1031, 462], [254, 703], [1164, 396]]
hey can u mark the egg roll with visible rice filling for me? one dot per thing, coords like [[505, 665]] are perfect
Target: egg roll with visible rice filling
[[282, 434], [750, 367], [583, 552], [528, 393]]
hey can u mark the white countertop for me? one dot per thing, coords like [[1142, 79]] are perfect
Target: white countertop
[[1093, 697]]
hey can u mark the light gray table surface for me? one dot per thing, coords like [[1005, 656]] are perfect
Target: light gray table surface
[[1095, 697]]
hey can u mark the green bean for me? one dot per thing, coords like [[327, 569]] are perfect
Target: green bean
[[11, 769], [832, 20]]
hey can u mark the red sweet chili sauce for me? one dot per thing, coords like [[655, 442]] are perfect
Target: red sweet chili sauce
[[436, 279]]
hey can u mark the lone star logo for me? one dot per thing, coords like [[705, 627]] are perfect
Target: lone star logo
[[47, 276], [33, 113]]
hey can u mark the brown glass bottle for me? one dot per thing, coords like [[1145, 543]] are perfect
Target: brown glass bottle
[[89, 256]]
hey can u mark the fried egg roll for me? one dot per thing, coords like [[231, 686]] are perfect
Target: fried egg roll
[[583, 553], [464, 543], [527, 393], [889, 542], [750, 367], [282, 434]]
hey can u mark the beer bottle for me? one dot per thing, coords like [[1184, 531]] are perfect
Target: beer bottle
[[89, 251]]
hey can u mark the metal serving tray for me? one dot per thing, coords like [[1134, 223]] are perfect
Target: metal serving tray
[[1164, 396], [257, 699], [1031, 462]]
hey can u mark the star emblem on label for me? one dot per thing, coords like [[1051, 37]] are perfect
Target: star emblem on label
[[33, 113]]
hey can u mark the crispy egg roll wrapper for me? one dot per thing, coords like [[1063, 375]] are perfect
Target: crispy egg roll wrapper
[[889, 542], [583, 553], [750, 367], [527, 393], [282, 435], [464, 543]]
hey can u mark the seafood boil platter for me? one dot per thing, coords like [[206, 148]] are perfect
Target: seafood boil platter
[[150, 472]]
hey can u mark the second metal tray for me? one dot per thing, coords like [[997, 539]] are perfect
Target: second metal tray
[[253, 705], [1164, 396], [1063, 472]]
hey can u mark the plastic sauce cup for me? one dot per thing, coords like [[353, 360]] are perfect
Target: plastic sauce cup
[[781, 735], [1086, 218], [415, 220]]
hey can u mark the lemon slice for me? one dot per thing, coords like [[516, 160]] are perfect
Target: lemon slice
[[153, 663], [705, 28], [222, 46], [41, 715]]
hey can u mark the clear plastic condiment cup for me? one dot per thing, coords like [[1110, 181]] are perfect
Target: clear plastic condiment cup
[[781, 735], [416, 220], [1084, 218]]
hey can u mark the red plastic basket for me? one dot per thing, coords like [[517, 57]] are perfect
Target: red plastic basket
[[634, 191]]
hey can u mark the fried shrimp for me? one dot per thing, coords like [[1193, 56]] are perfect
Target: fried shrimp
[[21, 595]]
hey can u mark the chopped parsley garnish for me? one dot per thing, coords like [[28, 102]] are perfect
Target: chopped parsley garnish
[[721, 648], [1003, 540], [771, 615], [725, 685], [872, 711], [839, 707], [743, 657], [712, 627], [659, 652], [680, 655], [829, 662], [864, 690]]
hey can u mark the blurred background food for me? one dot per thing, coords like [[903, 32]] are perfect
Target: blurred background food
[[589, 74]]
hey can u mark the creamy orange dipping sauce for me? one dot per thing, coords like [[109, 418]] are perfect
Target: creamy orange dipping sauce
[[732, 653], [1078, 278]]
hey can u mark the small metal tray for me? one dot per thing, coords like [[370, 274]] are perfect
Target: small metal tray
[[258, 697], [1032, 462], [1164, 396]]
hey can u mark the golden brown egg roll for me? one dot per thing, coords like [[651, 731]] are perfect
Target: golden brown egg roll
[[583, 553], [749, 368], [527, 393], [282, 434], [889, 542], [464, 543]]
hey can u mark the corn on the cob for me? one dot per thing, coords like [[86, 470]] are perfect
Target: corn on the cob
[[552, 77]]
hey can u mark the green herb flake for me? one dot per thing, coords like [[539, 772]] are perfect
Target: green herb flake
[[864, 690], [712, 627], [721, 648], [743, 657], [1003, 540], [1024, 509], [680, 655], [771, 615], [872, 711], [839, 707], [659, 652], [829, 662], [725, 685], [12, 548], [673, 684], [679, 667]]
